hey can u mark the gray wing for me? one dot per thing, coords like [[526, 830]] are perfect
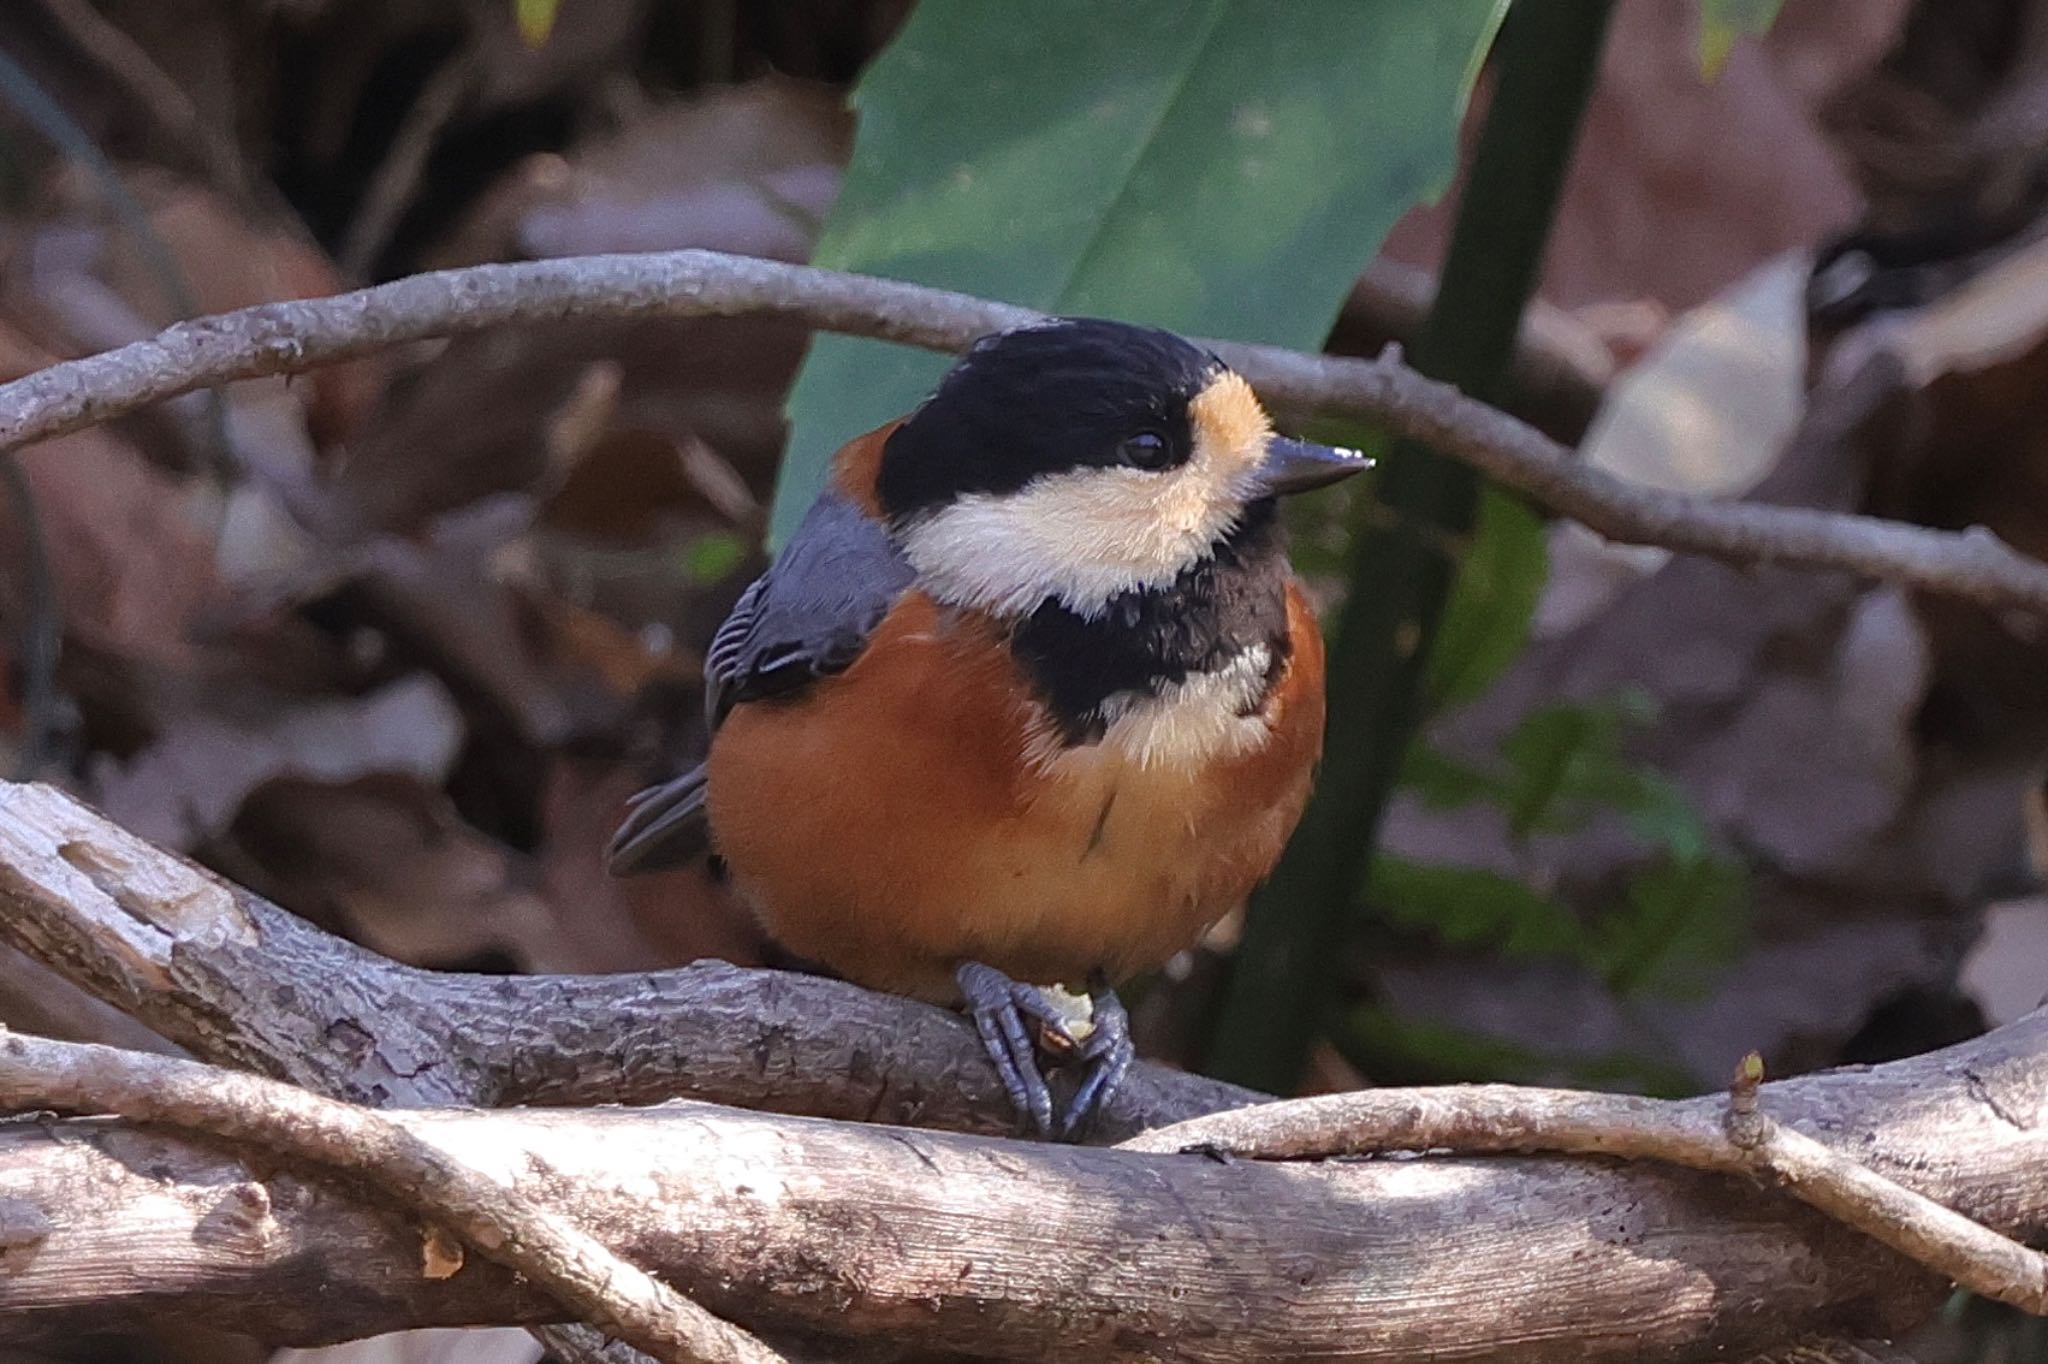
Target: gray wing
[[807, 617], [811, 613]]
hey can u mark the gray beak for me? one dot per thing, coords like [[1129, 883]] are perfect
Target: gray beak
[[1295, 466]]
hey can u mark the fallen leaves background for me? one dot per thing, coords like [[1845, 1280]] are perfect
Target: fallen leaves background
[[392, 642]]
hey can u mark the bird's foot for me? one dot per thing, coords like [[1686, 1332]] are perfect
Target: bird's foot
[[1105, 1055], [1000, 1006]]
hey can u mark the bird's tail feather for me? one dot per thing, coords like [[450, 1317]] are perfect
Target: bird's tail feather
[[665, 827]]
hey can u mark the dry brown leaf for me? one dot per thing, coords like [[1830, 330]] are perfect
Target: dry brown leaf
[[749, 168], [130, 555], [389, 862], [190, 783], [84, 284], [588, 39], [632, 486], [594, 652], [1673, 195], [485, 407], [19, 355]]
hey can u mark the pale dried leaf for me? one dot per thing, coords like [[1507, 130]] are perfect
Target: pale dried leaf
[[190, 783], [1669, 197], [388, 860], [2006, 971]]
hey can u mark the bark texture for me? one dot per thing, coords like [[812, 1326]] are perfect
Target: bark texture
[[940, 1241]]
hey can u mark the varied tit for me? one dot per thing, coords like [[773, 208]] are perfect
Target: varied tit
[[1031, 696]]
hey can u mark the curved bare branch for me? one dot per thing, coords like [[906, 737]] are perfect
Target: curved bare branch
[[291, 337]]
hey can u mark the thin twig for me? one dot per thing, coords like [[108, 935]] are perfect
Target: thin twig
[[295, 336], [27, 97], [405, 163], [1964, 1251], [42, 624], [1726, 1137], [503, 1225], [152, 88]]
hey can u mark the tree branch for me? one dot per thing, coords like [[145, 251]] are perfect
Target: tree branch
[[235, 979], [1735, 1137], [1004, 1249], [291, 337], [937, 1241], [507, 1226]]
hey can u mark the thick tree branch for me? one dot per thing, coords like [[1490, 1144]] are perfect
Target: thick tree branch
[[1732, 1137], [235, 979], [505, 1225], [1023, 1250], [850, 1230], [291, 337]]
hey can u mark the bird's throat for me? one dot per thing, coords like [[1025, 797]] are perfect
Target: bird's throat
[[1211, 643]]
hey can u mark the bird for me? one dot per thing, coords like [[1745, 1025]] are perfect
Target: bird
[[1030, 700]]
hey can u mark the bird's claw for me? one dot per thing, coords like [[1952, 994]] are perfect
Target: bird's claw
[[1104, 1058], [999, 1007]]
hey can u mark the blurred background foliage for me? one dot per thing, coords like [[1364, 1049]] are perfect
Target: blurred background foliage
[[392, 643], [1183, 160]]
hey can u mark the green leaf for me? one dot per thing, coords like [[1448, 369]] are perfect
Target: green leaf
[[1441, 782], [1679, 921], [1567, 760], [712, 556], [1394, 1050], [1662, 814], [1674, 921], [536, 19], [1220, 167], [1723, 21], [1320, 529], [1470, 907], [1552, 755], [1486, 620]]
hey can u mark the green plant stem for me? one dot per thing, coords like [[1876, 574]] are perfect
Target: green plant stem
[[1402, 566]]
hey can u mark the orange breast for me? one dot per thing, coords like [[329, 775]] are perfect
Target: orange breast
[[912, 813]]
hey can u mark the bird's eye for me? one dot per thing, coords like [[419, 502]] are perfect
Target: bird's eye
[[1146, 450]]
